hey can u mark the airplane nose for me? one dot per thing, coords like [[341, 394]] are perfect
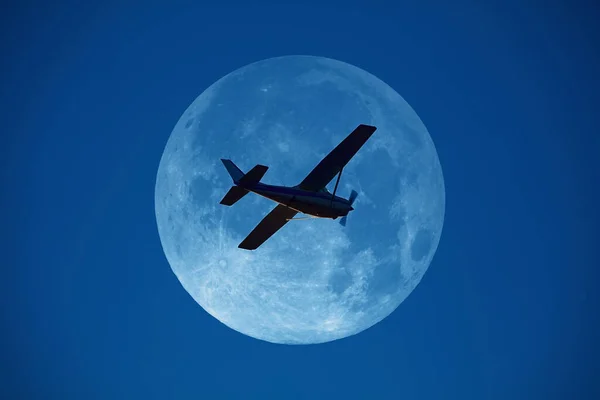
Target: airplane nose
[[351, 208]]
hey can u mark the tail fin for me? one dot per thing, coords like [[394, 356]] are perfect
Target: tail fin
[[234, 194], [253, 176], [237, 192], [235, 173]]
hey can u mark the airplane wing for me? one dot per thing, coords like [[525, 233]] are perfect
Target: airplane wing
[[270, 224], [337, 159]]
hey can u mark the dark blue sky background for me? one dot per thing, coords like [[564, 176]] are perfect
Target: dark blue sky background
[[90, 307]]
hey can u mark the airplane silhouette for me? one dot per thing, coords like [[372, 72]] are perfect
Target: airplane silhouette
[[309, 197]]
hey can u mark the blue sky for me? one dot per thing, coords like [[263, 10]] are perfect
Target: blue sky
[[507, 310]]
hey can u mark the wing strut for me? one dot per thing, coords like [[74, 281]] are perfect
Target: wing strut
[[336, 185]]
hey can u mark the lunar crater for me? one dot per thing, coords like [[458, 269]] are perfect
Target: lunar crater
[[421, 245]]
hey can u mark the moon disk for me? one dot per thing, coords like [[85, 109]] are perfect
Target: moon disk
[[314, 281]]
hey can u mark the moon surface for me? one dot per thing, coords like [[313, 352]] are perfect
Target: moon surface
[[314, 281]]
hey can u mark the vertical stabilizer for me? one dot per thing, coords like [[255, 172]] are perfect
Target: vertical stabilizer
[[235, 173]]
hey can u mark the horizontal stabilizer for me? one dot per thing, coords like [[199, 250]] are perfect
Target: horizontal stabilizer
[[234, 194], [254, 175]]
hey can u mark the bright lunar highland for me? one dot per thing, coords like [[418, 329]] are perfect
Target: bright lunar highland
[[314, 281]]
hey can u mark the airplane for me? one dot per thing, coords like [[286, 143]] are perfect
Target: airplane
[[309, 197]]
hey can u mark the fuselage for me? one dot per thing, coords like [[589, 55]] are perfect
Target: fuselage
[[321, 204]]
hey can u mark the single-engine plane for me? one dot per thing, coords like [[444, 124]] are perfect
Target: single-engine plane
[[309, 197]]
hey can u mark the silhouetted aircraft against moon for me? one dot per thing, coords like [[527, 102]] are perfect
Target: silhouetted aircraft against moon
[[310, 197]]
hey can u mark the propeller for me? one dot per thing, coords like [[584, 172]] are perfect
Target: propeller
[[352, 198]]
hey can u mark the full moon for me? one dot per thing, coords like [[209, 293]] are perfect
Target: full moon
[[314, 281]]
